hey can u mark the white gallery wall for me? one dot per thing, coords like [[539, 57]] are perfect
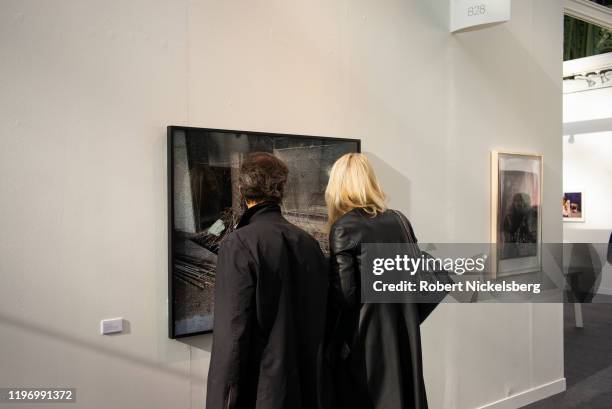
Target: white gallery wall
[[586, 162], [587, 168], [87, 89]]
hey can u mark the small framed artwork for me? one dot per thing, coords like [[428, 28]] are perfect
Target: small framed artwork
[[573, 207], [516, 212]]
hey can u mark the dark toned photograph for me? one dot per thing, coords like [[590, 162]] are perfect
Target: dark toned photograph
[[520, 201], [206, 204], [516, 211]]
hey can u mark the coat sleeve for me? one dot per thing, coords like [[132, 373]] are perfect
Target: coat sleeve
[[424, 309], [234, 319], [343, 293], [343, 276]]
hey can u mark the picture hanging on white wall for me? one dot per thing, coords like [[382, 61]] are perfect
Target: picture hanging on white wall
[[573, 207], [516, 212], [204, 205]]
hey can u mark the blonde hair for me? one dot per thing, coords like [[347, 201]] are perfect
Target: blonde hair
[[353, 185]]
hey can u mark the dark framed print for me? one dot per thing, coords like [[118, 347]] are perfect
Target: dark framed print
[[516, 212], [204, 205]]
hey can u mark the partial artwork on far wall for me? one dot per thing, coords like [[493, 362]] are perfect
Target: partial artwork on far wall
[[516, 212], [573, 207], [205, 204]]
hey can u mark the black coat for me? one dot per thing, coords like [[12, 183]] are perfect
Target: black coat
[[270, 303], [375, 349]]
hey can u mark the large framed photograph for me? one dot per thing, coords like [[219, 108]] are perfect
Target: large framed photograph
[[204, 205], [516, 212], [573, 207]]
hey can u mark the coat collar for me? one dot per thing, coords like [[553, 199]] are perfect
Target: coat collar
[[258, 211]]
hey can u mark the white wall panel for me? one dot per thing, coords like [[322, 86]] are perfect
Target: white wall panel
[[87, 89]]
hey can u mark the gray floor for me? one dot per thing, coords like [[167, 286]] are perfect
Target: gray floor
[[588, 361]]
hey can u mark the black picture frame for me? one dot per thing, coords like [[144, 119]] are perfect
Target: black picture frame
[[171, 131]]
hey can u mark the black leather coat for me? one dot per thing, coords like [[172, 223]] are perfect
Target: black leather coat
[[270, 307], [375, 348]]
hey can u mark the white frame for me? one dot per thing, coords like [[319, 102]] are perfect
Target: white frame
[[575, 219]]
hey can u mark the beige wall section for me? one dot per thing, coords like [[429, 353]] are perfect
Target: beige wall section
[[429, 108], [87, 89]]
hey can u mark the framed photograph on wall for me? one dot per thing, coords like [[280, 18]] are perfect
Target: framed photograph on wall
[[516, 212], [204, 205], [573, 207]]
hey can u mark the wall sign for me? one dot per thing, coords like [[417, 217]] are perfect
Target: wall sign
[[466, 14]]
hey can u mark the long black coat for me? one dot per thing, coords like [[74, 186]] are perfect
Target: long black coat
[[375, 348], [270, 303]]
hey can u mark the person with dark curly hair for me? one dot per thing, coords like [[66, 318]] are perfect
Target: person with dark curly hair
[[270, 303]]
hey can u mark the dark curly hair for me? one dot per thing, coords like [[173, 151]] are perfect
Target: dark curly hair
[[262, 178]]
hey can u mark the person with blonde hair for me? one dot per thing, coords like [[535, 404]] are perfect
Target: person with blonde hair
[[374, 350]]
